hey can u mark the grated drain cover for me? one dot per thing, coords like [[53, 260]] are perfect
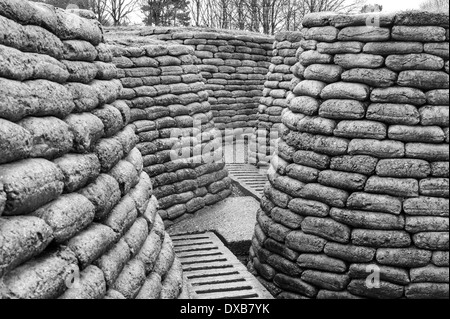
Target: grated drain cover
[[249, 177], [213, 272]]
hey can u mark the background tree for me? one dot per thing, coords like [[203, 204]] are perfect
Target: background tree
[[120, 10], [166, 12], [99, 7], [265, 16], [371, 8], [344, 6], [181, 15], [441, 6]]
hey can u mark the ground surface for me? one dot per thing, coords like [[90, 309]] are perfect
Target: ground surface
[[233, 220]]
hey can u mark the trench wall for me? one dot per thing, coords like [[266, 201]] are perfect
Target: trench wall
[[360, 183], [78, 218], [280, 80], [233, 64], [89, 132], [169, 105]]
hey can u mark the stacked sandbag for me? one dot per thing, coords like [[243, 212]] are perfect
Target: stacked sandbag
[[358, 200], [234, 65], [182, 151], [273, 102], [77, 216]]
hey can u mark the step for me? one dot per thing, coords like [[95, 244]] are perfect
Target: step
[[249, 178], [213, 272]]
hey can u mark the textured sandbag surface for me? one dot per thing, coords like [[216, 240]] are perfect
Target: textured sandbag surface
[[280, 80], [21, 239], [78, 218], [92, 285], [51, 136], [34, 182], [233, 65], [67, 215], [165, 96], [30, 38], [38, 98], [15, 141], [17, 65], [42, 278], [359, 185]]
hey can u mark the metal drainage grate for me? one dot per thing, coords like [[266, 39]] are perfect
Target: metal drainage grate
[[213, 272], [249, 177]]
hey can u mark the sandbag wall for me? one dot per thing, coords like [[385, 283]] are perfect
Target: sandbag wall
[[358, 199], [280, 80], [77, 216], [234, 66], [169, 106]]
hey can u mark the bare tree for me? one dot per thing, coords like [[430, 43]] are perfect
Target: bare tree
[[441, 6], [267, 16], [241, 14], [195, 6], [99, 7], [255, 17], [165, 12], [343, 6], [120, 10], [368, 8]]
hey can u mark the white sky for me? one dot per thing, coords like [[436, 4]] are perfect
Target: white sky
[[397, 5]]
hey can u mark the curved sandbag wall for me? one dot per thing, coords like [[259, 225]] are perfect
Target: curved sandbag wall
[[77, 215], [358, 199], [280, 80], [233, 64], [181, 148]]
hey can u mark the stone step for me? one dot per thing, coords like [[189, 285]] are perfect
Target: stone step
[[213, 272], [249, 178]]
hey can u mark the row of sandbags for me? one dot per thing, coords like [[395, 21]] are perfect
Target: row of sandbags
[[357, 203], [169, 105], [234, 66], [280, 80], [78, 218]]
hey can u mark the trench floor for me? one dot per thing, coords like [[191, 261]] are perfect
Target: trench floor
[[213, 244], [232, 219]]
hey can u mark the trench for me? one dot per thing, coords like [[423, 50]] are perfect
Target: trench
[[117, 142]]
